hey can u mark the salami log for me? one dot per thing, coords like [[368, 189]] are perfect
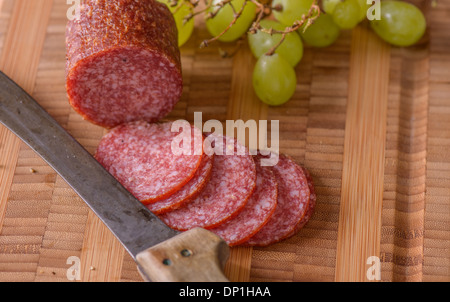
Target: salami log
[[233, 180], [140, 156], [123, 62], [188, 191], [256, 212], [293, 203]]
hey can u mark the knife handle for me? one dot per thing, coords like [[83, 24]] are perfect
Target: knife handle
[[196, 255]]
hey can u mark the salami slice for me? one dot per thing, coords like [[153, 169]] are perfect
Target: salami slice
[[293, 200], [188, 191], [312, 201], [141, 157], [256, 212], [233, 180], [123, 61]]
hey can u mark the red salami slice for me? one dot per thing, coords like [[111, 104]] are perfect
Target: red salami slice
[[312, 202], [256, 212], [141, 157], [188, 191], [123, 61], [293, 200], [233, 180]]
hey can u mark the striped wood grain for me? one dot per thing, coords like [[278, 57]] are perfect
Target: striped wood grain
[[19, 59], [436, 242], [363, 158], [405, 165]]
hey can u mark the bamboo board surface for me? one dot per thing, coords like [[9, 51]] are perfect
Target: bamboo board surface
[[368, 120]]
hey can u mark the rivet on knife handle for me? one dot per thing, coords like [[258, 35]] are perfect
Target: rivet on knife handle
[[197, 255]]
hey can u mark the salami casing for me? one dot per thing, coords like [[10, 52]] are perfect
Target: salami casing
[[140, 156], [123, 61]]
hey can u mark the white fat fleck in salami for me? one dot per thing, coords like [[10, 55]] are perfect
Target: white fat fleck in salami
[[139, 155], [188, 191], [233, 180], [256, 212], [293, 200]]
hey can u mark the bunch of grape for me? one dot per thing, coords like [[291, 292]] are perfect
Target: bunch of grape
[[400, 23], [277, 29]]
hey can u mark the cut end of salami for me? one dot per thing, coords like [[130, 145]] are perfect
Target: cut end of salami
[[123, 85], [123, 62]]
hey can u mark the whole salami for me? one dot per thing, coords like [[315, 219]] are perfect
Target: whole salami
[[123, 62]]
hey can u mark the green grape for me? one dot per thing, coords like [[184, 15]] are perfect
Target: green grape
[[179, 13], [225, 16], [291, 49], [292, 10], [274, 80], [347, 14], [322, 33], [329, 5], [363, 7], [401, 23]]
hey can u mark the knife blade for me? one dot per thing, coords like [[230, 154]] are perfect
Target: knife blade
[[162, 254]]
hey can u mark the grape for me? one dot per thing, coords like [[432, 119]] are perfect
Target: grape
[[401, 23], [292, 10], [291, 49], [329, 5], [347, 14], [363, 7], [179, 13], [323, 32], [225, 16], [274, 80]]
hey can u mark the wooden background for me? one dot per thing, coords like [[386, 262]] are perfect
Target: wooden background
[[370, 121]]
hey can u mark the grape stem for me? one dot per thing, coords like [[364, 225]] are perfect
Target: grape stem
[[237, 14], [309, 18], [265, 9]]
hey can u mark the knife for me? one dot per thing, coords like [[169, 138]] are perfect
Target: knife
[[161, 253]]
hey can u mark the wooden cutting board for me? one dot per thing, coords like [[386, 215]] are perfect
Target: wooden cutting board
[[371, 122]]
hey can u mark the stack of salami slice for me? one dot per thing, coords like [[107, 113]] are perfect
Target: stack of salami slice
[[222, 188]]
